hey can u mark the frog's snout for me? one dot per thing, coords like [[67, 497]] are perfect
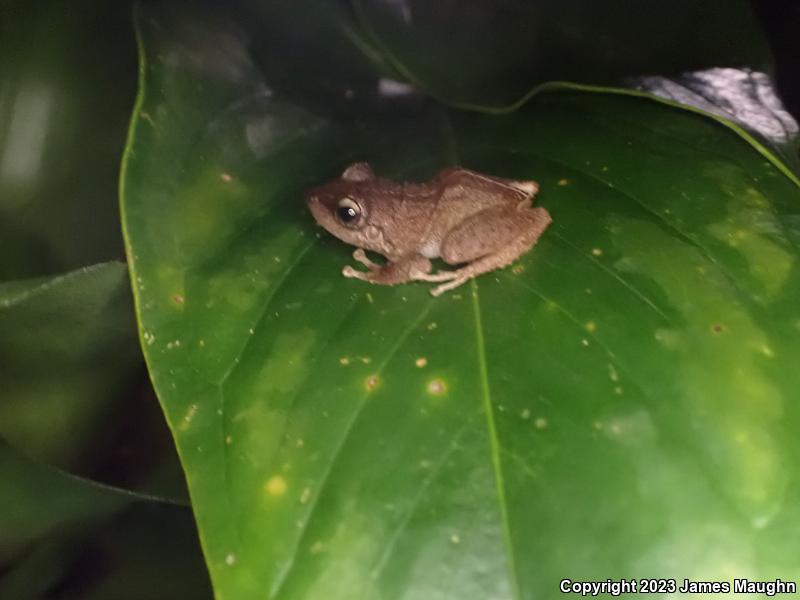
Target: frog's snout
[[317, 209]]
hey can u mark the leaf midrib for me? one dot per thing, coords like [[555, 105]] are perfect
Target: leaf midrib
[[494, 443]]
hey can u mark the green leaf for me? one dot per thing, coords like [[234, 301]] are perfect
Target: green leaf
[[61, 530], [36, 500], [619, 400], [491, 53], [67, 350], [739, 96]]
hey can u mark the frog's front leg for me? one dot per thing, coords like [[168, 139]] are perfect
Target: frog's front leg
[[411, 267], [361, 256]]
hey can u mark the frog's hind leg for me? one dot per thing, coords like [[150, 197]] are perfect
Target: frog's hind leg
[[502, 239], [438, 276]]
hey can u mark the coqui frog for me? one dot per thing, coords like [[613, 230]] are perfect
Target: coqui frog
[[460, 216]]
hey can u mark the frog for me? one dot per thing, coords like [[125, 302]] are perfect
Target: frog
[[475, 222]]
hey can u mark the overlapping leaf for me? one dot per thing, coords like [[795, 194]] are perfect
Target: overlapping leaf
[[67, 349]]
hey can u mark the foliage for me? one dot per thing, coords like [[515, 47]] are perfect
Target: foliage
[[620, 402]]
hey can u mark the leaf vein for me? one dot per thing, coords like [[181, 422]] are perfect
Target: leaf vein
[[284, 575]]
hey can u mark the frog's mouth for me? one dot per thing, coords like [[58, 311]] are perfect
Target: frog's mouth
[[319, 211], [324, 216]]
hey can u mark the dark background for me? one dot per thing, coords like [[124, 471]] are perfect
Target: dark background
[[781, 21]]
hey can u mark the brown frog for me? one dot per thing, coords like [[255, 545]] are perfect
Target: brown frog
[[460, 216]]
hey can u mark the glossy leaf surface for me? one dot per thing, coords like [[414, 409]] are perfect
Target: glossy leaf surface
[[621, 399]]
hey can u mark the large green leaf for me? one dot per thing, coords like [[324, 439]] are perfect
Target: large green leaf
[[37, 499], [620, 403], [67, 352]]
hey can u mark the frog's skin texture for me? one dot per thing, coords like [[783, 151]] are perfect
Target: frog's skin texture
[[463, 217]]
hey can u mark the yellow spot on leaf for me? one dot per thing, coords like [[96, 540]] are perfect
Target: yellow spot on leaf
[[187, 418], [275, 486], [371, 382], [436, 387]]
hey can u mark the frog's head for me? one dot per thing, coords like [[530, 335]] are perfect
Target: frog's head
[[342, 206]]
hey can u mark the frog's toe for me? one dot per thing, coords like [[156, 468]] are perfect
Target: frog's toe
[[438, 276], [361, 256], [349, 271], [454, 283]]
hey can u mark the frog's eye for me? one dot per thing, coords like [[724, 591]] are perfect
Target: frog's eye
[[348, 211]]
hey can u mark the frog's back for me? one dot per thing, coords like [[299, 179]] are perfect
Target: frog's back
[[462, 194]]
